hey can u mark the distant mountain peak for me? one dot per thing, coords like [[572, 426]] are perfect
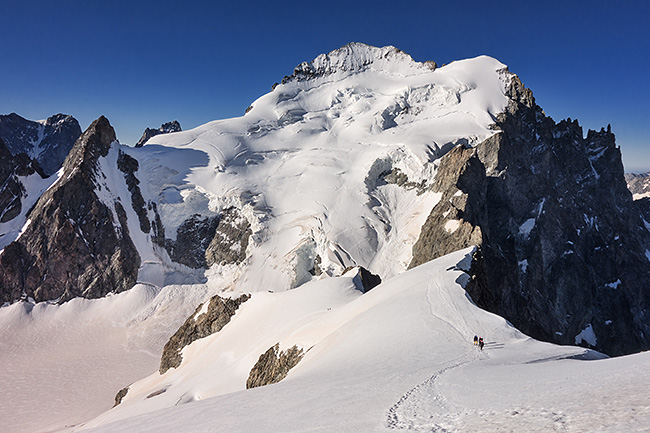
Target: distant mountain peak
[[47, 141], [165, 128]]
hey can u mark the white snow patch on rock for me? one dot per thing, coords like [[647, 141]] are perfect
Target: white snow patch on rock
[[452, 225], [587, 335], [527, 227], [523, 265]]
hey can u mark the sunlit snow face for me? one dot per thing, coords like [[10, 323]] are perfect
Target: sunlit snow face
[[306, 163]]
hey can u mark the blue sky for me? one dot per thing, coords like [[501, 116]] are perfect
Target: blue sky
[[143, 63]]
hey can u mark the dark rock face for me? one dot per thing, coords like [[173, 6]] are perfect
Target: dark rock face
[[49, 142], [129, 166], [216, 316], [203, 241], [230, 240], [192, 240], [11, 189], [364, 280], [368, 280], [448, 228], [75, 244], [562, 246], [165, 128], [273, 366]]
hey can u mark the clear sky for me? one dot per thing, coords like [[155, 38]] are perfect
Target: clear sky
[[143, 63]]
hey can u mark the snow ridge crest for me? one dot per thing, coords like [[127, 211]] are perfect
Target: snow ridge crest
[[357, 57]]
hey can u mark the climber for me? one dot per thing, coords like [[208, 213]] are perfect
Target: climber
[[480, 343], [476, 340]]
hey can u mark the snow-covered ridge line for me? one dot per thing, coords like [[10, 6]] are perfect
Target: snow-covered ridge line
[[356, 57]]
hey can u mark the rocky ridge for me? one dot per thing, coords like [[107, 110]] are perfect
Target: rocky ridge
[[165, 128], [563, 250], [12, 190], [352, 58], [273, 366], [48, 142]]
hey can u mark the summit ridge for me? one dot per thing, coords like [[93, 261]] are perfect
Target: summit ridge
[[356, 57]]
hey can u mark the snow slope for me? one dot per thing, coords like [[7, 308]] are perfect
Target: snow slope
[[397, 358]]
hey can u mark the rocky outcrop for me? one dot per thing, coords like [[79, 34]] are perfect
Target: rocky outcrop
[[192, 240], [75, 244], [230, 240], [48, 142], [203, 241], [562, 247], [165, 128], [205, 321], [451, 224], [129, 165], [120, 395], [273, 366], [364, 280]]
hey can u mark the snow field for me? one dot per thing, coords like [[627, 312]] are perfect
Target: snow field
[[63, 364], [398, 357]]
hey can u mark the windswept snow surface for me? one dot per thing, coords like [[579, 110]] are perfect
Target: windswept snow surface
[[399, 357]]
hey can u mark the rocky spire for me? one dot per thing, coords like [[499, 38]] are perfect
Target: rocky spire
[[75, 244], [563, 252]]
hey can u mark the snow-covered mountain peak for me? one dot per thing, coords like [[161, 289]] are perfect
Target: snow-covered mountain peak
[[308, 161], [356, 57]]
